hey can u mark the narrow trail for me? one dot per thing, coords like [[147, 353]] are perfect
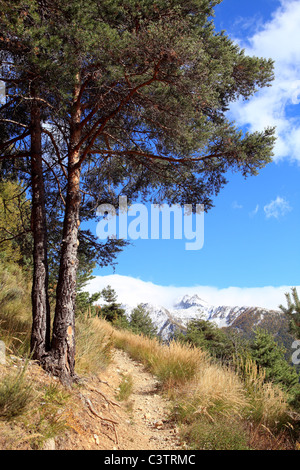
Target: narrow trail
[[148, 426], [93, 418]]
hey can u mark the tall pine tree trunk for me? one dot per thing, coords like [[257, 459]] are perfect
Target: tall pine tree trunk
[[63, 337], [40, 335]]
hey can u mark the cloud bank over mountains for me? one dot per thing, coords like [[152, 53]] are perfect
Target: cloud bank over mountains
[[132, 291]]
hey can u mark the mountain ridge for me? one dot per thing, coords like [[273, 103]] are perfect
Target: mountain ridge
[[192, 307]]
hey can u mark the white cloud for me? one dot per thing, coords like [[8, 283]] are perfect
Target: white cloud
[[132, 291], [277, 208], [277, 105], [255, 211], [236, 205]]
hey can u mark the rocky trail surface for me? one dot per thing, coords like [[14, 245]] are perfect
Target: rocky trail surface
[[148, 412], [101, 421]]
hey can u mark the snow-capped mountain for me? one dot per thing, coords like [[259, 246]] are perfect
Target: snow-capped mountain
[[193, 307], [189, 301]]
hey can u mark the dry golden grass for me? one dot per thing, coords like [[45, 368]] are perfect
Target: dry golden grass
[[219, 389], [205, 393], [15, 309], [173, 365], [267, 403], [31, 404], [93, 346]]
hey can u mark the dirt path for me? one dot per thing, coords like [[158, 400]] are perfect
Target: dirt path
[[97, 420], [147, 424]]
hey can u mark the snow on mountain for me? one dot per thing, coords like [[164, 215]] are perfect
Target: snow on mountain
[[188, 301], [191, 308]]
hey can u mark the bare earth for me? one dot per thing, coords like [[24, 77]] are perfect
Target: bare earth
[[100, 422]]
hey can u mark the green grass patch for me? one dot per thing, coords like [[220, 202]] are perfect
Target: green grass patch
[[125, 387], [221, 433]]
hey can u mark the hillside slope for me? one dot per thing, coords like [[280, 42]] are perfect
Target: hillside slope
[[93, 417]]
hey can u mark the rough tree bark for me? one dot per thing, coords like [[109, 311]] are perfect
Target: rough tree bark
[[62, 356], [40, 337]]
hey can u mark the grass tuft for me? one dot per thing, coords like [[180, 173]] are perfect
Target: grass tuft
[[16, 394], [125, 388]]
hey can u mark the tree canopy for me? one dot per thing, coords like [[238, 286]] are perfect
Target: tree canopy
[[112, 97], [208, 336]]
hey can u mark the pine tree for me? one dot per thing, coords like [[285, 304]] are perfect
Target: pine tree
[[111, 310], [134, 94], [206, 335], [141, 323], [271, 357], [293, 312]]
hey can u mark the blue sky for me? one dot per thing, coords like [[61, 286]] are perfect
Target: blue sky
[[251, 249]]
